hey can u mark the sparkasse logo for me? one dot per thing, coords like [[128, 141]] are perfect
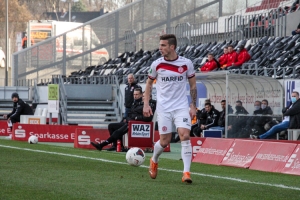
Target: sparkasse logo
[[20, 133], [84, 139], [140, 130]]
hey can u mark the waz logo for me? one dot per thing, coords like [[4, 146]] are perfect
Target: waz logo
[[141, 127], [140, 130]]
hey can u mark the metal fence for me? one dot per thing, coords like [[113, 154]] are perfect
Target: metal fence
[[133, 27], [138, 26]]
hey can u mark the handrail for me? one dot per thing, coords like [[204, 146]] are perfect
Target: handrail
[[36, 97], [63, 100], [119, 99]]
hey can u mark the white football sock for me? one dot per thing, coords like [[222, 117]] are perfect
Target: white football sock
[[186, 155], [158, 149]]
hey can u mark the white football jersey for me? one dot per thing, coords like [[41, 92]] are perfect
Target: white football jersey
[[171, 78]]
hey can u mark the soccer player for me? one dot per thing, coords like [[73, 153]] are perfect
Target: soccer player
[[171, 73]]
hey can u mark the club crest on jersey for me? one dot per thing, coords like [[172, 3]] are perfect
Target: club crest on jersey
[[180, 69], [171, 78]]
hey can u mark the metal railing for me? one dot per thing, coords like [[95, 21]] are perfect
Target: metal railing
[[119, 99], [104, 37], [36, 96], [275, 72], [63, 101], [255, 26]]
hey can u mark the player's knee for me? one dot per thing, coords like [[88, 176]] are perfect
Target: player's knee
[[185, 137], [164, 144]]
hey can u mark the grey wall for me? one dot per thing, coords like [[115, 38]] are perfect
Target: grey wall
[[293, 19], [5, 92], [92, 92]]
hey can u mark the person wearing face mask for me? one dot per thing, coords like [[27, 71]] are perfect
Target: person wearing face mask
[[291, 118], [257, 123], [294, 111]]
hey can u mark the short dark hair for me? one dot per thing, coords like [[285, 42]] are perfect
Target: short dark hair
[[223, 101], [225, 47], [258, 102], [171, 39], [207, 104], [230, 46], [139, 89], [265, 100], [238, 101], [296, 92], [211, 54], [207, 100]]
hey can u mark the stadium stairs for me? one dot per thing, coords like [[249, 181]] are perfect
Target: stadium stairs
[[91, 112]]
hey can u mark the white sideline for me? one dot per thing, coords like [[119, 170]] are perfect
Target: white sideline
[[169, 170]]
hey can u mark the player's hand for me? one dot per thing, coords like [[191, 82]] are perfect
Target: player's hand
[[4, 116], [192, 111], [147, 111]]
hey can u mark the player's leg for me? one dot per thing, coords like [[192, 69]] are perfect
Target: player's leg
[[183, 125], [165, 128]]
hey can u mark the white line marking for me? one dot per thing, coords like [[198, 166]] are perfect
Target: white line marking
[[169, 170]]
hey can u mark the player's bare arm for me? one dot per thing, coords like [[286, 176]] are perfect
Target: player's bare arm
[[193, 93], [147, 111]]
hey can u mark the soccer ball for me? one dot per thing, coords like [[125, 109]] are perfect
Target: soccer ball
[[135, 156], [33, 139]]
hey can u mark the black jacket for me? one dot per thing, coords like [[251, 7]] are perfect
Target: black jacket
[[212, 118], [241, 110], [20, 108], [221, 121], [202, 116], [136, 112], [294, 113], [129, 93]]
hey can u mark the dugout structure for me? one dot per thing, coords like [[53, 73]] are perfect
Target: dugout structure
[[247, 89]]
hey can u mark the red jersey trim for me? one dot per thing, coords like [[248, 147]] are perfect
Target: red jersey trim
[[174, 68], [151, 77], [191, 76]]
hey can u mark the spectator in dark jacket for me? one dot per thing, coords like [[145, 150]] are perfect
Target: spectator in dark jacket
[[237, 123], [19, 108], [212, 117], [117, 130], [291, 119], [222, 118], [130, 86], [294, 111], [243, 56], [297, 31]]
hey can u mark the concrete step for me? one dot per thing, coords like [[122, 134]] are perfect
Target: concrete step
[[88, 102], [91, 107], [89, 122], [91, 112], [91, 117]]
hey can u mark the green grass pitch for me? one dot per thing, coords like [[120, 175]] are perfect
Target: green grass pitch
[[54, 172]]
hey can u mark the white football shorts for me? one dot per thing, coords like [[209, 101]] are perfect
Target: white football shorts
[[180, 117]]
